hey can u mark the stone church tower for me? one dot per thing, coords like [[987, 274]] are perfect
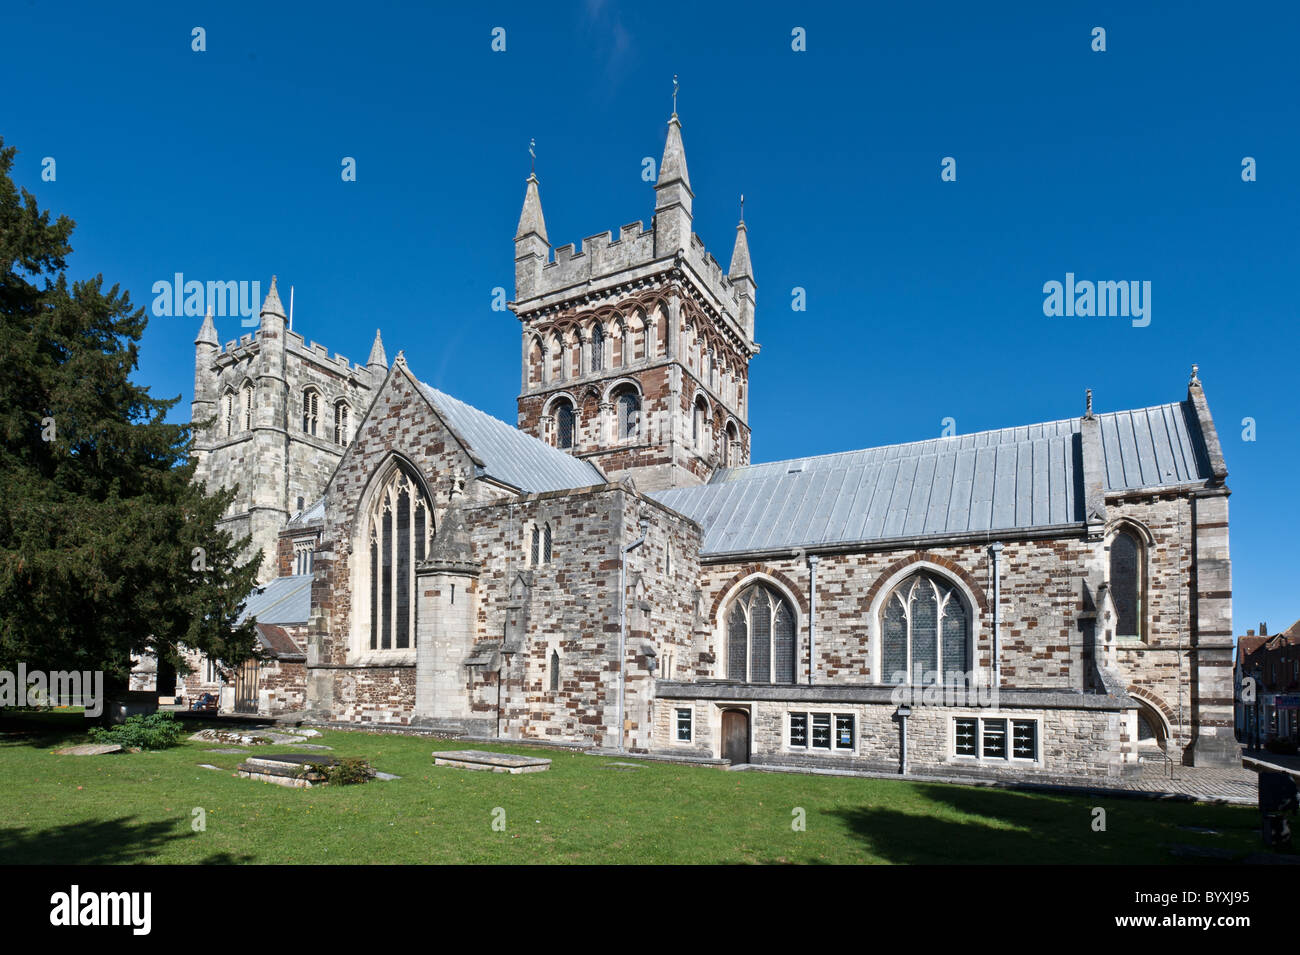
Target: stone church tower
[[282, 412], [636, 347]]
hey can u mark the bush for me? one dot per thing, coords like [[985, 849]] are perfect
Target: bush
[[155, 731], [347, 771]]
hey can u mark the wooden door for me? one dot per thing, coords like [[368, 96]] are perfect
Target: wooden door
[[246, 680], [735, 736]]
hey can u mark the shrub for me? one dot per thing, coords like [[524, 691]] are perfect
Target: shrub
[[155, 731], [346, 772]]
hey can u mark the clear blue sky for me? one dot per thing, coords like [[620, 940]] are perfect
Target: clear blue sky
[[924, 297]]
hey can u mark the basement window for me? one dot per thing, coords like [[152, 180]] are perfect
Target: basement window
[[684, 728]]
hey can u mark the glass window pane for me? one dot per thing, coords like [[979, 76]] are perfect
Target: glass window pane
[[893, 652], [1124, 583], [964, 732], [684, 725], [925, 633], [1024, 739], [799, 730], [760, 638], [737, 651], [821, 731], [995, 739], [843, 731], [783, 644], [956, 639], [403, 571]]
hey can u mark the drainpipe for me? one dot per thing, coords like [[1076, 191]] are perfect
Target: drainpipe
[[995, 551], [812, 616], [622, 626]]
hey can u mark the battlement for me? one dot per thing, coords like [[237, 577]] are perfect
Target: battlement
[[602, 256], [320, 354]]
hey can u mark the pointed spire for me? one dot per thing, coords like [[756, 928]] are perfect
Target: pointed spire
[[272, 305], [531, 220], [377, 356], [740, 267], [207, 331], [672, 167]]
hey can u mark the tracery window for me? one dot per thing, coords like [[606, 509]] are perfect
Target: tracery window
[[1127, 578], [925, 632], [400, 530], [760, 637]]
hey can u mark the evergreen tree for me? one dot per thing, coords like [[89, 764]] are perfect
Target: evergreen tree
[[107, 546]]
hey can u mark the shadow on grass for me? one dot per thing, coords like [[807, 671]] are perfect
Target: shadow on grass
[[97, 842], [997, 826]]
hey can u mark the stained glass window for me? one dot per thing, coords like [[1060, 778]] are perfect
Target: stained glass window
[[924, 632]]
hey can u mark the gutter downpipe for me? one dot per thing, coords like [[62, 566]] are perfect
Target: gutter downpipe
[[622, 627], [995, 551], [812, 616]]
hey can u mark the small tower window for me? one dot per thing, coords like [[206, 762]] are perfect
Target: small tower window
[[699, 422], [564, 425], [546, 544], [534, 553], [248, 407], [228, 412], [627, 408], [597, 347], [310, 411], [555, 671], [341, 435]]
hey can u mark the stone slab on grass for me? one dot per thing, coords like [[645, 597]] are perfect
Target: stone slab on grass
[[89, 749], [490, 762], [285, 769]]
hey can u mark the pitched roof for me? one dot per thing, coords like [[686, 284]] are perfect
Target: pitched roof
[[280, 600], [508, 454], [1009, 479], [277, 643]]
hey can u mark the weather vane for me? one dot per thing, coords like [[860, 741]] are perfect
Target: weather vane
[[532, 152], [674, 94], [742, 207]]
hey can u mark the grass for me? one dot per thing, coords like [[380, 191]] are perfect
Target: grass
[[138, 807]]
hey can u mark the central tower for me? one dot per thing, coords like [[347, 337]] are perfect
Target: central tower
[[636, 347]]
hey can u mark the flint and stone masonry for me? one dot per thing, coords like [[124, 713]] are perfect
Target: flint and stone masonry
[[612, 570]]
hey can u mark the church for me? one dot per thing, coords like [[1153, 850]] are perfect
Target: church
[[1045, 600]]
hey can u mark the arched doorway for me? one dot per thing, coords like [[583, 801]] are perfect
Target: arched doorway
[[735, 736]]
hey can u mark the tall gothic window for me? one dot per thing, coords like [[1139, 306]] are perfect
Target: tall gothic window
[[400, 529], [341, 435], [228, 412], [925, 632], [597, 347], [310, 411], [627, 412], [760, 637], [564, 425], [728, 445], [248, 406], [1126, 583]]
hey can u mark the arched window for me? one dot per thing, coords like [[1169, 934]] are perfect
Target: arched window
[[1127, 580], [535, 553], [699, 422], [400, 529], [729, 446], [228, 411], [558, 353], [341, 435], [310, 411], [248, 406], [546, 544], [564, 425], [597, 347], [760, 637], [555, 671], [925, 632], [627, 414]]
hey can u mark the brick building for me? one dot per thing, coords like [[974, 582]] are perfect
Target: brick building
[[1270, 712], [612, 569]]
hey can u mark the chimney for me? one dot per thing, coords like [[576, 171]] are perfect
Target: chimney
[[1250, 633], [1263, 629]]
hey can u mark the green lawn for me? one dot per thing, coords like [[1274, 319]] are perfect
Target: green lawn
[[138, 808]]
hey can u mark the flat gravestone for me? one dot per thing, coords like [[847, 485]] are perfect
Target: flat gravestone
[[285, 769], [490, 762], [89, 749], [225, 751]]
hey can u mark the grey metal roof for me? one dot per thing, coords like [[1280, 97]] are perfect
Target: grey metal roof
[[508, 454], [311, 514], [281, 600], [1013, 478]]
